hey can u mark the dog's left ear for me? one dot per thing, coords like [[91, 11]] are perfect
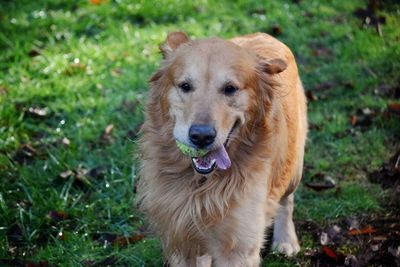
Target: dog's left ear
[[273, 66], [173, 41]]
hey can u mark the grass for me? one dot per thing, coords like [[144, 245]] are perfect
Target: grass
[[86, 67]]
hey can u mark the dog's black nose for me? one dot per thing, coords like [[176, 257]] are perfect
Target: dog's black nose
[[202, 135]]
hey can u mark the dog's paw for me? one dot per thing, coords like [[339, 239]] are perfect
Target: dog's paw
[[287, 248]]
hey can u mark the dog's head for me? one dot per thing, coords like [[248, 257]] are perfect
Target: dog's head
[[210, 89]]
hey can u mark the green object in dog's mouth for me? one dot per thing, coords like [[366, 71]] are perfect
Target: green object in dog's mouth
[[205, 161], [190, 151]]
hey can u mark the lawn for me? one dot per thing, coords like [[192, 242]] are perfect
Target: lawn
[[73, 83]]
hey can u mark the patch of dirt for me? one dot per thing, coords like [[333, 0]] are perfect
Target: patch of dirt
[[368, 240], [364, 240]]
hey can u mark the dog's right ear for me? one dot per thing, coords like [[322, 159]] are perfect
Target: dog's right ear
[[173, 41], [273, 66]]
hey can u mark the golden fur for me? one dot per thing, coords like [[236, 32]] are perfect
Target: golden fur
[[221, 217]]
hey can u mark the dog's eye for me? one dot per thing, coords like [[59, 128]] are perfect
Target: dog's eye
[[230, 90], [185, 87]]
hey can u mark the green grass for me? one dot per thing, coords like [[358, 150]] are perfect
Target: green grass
[[91, 71]]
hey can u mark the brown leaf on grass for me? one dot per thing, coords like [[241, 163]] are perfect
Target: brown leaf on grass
[[34, 53], [320, 182], [38, 112], [108, 129], [379, 238], [276, 30], [329, 252], [353, 120], [394, 108], [122, 241], [106, 137], [118, 240], [65, 141], [364, 117], [320, 187], [81, 174], [24, 154], [66, 174], [333, 256], [364, 231], [57, 216], [311, 96]]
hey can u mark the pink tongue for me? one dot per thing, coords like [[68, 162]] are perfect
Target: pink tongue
[[221, 158]]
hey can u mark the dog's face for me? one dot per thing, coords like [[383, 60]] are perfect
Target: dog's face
[[211, 86]]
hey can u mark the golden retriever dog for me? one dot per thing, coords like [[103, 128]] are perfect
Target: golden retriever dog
[[242, 102]]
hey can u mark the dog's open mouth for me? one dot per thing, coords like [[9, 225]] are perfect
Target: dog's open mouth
[[211, 160], [204, 165], [215, 158]]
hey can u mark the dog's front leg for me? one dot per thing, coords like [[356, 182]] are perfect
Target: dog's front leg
[[189, 258], [237, 240], [285, 238], [238, 243]]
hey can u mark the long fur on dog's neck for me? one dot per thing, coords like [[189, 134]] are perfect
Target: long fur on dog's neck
[[179, 202]]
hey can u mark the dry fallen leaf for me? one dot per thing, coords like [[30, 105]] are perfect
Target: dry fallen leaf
[[364, 231], [329, 252], [81, 174], [57, 215], [106, 137], [34, 53], [394, 108], [311, 96], [66, 174], [124, 241], [108, 129], [24, 154], [353, 120], [320, 182], [38, 112], [276, 30], [65, 141]]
